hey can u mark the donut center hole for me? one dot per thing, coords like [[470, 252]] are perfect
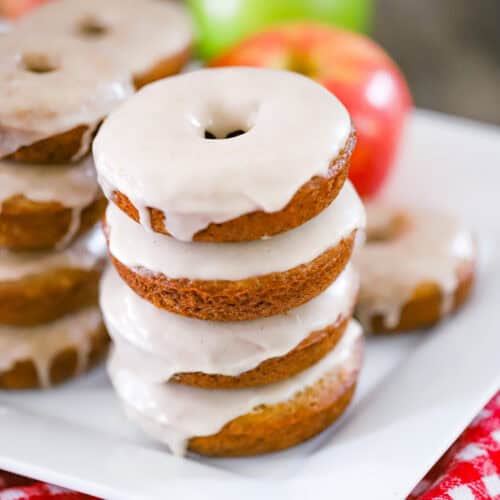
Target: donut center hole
[[91, 27], [39, 63], [229, 135], [385, 233]]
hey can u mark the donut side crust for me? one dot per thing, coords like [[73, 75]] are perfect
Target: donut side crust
[[317, 345], [272, 428], [56, 149], [47, 296], [310, 200], [166, 67], [241, 300], [424, 308], [23, 375], [28, 225]]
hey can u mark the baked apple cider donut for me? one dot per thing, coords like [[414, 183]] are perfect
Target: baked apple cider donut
[[47, 206], [150, 39], [163, 347], [236, 281], [225, 422], [416, 267], [37, 287], [54, 95], [225, 155], [50, 353]]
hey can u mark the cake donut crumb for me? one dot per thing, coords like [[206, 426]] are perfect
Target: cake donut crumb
[[38, 287], [56, 95], [230, 161], [236, 281], [47, 206], [248, 421], [46, 355], [417, 267], [163, 346]]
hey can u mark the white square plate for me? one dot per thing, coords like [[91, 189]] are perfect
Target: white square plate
[[416, 393]]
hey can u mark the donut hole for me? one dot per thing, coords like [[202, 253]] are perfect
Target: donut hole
[[229, 135], [389, 231], [36, 62], [91, 27]]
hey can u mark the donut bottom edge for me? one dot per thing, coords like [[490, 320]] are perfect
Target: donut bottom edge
[[271, 428], [64, 365], [241, 300], [310, 200], [43, 225], [425, 307], [313, 348], [44, 297]]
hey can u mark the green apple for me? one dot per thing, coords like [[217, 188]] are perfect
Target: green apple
[[222, 23]]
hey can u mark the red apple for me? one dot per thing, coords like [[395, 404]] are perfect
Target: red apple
[[353, 67], [16, 8]]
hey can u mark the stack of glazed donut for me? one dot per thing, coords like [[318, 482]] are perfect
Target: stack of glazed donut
[[231, 226], [63, 68]]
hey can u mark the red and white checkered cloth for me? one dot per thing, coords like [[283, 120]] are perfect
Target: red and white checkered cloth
[[469, 470]]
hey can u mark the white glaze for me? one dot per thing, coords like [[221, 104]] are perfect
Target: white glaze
[[173, 413], [85, 86], [88, 252], [153, 148], [73, 185], [157, 253], [430, 248], [138, 33], [157, 344], [42, 343]]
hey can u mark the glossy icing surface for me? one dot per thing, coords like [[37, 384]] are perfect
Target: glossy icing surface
[[157, 344], [50, 85], [406, 248], [41, 344], [293, 129], [137, 34], [88, 252], [174, 413], [153, 252]]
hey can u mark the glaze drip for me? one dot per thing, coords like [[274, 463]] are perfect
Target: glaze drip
[[405, 249], [157, 253]]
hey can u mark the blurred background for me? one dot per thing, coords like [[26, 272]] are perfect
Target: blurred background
[[449, 50]]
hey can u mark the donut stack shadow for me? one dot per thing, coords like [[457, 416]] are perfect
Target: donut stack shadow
[[231, 325], [63, 70]]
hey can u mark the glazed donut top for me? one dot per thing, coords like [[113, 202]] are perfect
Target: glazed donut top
[[50, 85], [42, 343], [136, 33], [157, 253], [406, 248], [155, 151], [158, 344], [88, 252], [73, 186], [178, 413]]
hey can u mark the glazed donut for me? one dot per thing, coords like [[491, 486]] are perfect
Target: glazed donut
[[46, 206], [55, 94], [37, 287], [45, 355], [167, 347], [236, 281], [148, 38], [416, 268], [247, 421], [241, 154]]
